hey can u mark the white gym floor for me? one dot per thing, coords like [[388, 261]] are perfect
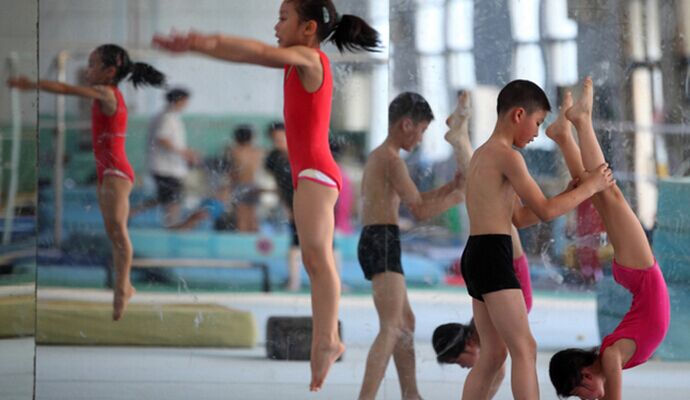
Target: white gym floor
[[92, 373]]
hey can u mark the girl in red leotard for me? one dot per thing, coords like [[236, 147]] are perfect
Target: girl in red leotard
[[308, 85], [597, 374], [108, 65]]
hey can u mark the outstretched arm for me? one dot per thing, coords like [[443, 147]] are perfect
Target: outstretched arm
[[525, 216], [237, 49], [546, 209], [428, 204], [102, 93]]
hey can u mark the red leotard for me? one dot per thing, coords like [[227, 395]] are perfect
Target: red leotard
[[108, 134], [307, 118], [650, 313]]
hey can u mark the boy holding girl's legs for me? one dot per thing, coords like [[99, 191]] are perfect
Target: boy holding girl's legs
[[501, 192]]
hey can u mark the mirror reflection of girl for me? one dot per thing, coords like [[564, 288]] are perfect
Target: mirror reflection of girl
[[308, 86], [108, 65], [597, 374]]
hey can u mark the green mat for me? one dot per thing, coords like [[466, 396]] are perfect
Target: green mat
[[184, 325], [17, 316]]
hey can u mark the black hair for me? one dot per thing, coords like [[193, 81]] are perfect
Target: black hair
[[243, 134], [412, 105], [139, 73], [449, 341], [176, 94], [344, 30], [522, 93], [275, 126], [565, 369]]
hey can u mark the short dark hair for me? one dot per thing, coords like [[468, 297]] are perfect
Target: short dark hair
[[522, 93], [449, 341], [243, 134], [176, 94], [412, 105], [565, 369], [275, 126]]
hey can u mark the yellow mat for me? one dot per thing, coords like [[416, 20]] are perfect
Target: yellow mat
[[186, 325], [17, 316]]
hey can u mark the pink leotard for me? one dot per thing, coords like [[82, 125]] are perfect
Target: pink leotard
[[307, 118], [646, 323], [521, 267], [108, 135]]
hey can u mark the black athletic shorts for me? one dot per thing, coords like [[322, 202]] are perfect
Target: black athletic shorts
[[379, 250], [169, 189], [487, 265]]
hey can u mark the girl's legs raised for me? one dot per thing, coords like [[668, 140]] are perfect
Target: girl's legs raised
[[314, 216], [458, 134], [624, 230], [389, 297], [113, 199]]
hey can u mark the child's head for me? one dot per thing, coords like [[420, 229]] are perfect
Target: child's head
[[109, 64], [456, 344], [276, 132], [177, 98], [409, 115], [525, 106], [573, 373], [243, 134], [310, 22]]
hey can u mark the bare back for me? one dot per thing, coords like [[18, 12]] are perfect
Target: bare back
[[490, 196], [246, 160], [380, 200]]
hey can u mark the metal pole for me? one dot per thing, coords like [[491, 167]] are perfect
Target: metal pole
[[14, 160], [59, 147], [642, 111]]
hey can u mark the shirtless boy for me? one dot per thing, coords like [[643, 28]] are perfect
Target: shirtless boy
[[500, 191], [385, 184]]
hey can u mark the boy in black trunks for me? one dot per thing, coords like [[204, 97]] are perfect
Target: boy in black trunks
[[385, 183], [500, 190]]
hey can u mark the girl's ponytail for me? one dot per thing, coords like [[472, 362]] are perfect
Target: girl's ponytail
[[345, 31], [113, 55], [145, 74], [353, 33]]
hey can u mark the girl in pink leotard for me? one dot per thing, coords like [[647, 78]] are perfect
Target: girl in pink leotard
[[307, 86], [108, 65], [592, 374]]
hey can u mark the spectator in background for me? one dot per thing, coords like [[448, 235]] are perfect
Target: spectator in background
[[244, 160], [168, 156], [278, 165]]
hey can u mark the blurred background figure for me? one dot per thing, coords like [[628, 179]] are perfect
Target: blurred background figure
[[168, 156], [244, 159], [278, 165]]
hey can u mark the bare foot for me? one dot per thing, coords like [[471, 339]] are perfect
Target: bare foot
[[121, 300], [558, 130], [581, 112], [322, 357], [456, 120]]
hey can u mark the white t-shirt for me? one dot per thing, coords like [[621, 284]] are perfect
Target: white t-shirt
[[161, 161]]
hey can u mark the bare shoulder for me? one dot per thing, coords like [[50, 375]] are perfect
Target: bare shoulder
[[311, 56], [106, 91], [620, 352]]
